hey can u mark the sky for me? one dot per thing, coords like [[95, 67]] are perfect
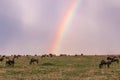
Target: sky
[[29, 27]]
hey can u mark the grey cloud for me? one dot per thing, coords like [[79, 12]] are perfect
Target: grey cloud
[[95, 27]]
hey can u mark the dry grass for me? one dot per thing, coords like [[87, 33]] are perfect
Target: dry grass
[[60, 68]]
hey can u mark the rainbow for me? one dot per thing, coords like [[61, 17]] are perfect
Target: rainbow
[[64, 25]]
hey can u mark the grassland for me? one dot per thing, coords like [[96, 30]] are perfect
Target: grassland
[[60, 68]]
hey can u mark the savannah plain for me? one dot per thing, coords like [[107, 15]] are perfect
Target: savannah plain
[[59, 68]]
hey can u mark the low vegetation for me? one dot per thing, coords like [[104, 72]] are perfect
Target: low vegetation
[[59, 68]]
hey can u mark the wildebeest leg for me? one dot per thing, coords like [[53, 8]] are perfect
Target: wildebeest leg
[[6, 64], [33, 62], [12, 64], [108, 65], [117, 61], [37, 61], [100, 66], [30, 62]]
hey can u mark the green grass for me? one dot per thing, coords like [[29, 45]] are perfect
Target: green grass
[[60, 68]]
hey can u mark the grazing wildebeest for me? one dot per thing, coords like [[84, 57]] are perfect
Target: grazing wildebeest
[[76, 55], [63, 54], [6, 57], [16, 56], [33, 60], [1, 59], [81, 54], [10, 62], [52, 55], [113, 59], [35, 55], [3, 56], [44, 55], [105, 62]]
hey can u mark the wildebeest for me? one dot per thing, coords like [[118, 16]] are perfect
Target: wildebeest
[[44, 55], [3, 56], [52, 55], [63, 54], [1, 59], [76, 55], [10, 62], [81, 54], [6, 57], [105, 62], [33, 60], [16, 56], [113, 59]]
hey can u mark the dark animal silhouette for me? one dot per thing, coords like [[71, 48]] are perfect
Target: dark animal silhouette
[[105, 62], [76, 55], [44, 55], [16, 56], [1, 59], [10, 62], [81, 54], [35, 55], [6, 57], [113, 59], [3, 56], [63, 54], [51, 55], [33, 60]]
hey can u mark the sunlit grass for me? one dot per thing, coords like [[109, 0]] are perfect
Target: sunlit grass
[[60, 68]]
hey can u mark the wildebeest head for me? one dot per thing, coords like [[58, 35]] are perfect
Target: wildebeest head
[[105, 62]]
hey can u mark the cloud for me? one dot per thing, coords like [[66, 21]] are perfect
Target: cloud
[[95, 29], [29, 26]]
